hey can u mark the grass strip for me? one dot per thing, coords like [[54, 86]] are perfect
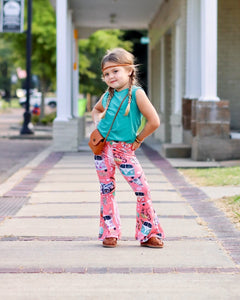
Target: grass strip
[[231, 207], [213, 176]]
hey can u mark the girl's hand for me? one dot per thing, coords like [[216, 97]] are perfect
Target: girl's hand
[[136, 144]]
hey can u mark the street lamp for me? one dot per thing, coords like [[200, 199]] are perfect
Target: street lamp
[[27, 114]]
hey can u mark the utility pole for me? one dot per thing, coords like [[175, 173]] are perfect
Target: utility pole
[[27, 114]]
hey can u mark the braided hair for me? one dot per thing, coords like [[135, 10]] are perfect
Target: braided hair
[[122, 57], [111, 92]]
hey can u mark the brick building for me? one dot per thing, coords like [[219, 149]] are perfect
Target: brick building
[[194, 70]]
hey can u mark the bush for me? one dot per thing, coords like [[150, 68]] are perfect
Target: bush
[[47, 120]]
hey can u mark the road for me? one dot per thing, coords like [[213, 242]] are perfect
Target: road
[[15, 153]]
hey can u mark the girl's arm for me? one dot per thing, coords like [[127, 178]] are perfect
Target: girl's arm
[[149, 112], [97, 111]]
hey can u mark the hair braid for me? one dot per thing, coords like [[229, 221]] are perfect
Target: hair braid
[[131, 81], [111, 92]]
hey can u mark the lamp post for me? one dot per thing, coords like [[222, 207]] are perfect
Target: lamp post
[[27, 114]]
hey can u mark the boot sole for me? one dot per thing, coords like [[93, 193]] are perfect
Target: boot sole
[[109, 246], [152, 246]]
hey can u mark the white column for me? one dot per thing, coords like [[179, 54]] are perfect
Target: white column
[[178, 69], [176, 118], [66, 135], [75, 67], [69, 65], [193, 54], [160, 132], [162, 76], [62, 74], [209, 50]]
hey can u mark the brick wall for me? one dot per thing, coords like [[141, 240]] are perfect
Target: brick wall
[[229, 57]]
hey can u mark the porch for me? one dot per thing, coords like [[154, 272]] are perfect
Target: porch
[[193, 69]]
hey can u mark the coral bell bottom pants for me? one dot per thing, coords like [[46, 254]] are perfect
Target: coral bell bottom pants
[[120, 154]]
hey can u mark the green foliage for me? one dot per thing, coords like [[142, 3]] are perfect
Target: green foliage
[[14, 103], [44, 40], [236, 199], [232, 208], [43, 43], [214, 176], [44, 49], [47, 120], [34, 119], [91, 52], [6, 66]]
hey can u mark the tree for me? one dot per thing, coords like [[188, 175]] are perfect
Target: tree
[[43, 46], [91, 52], [5, 69], [43, 57]]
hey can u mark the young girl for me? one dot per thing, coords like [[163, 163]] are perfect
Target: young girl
[[119, 73]]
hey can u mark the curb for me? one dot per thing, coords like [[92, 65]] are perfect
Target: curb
[[30, 137]]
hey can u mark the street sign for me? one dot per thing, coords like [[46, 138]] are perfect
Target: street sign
[[12, 12]]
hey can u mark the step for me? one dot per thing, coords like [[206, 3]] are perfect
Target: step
[[176, 150]]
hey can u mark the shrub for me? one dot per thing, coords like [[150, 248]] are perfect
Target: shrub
[[47, 120]]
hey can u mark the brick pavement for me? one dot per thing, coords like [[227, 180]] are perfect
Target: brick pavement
[[49, 247]]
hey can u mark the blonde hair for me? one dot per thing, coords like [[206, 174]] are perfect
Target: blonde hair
[[122, 57]]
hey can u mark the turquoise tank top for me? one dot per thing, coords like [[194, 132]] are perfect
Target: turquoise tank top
[[124, 127]]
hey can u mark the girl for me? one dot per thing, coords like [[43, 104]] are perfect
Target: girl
[[119, 73]]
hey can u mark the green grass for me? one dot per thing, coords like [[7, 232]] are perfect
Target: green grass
[[219, 177], [5, 105], [233, 208], [213, 176], [236, 199]]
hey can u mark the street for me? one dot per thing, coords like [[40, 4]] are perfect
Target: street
[[15, 153]]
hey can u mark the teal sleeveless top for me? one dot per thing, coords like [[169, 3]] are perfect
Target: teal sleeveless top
[[124, 127]]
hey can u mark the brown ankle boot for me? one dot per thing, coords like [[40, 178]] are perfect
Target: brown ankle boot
[[110, 242], [153, 242]]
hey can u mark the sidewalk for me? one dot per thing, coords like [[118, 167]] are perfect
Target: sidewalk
[[48, 236]]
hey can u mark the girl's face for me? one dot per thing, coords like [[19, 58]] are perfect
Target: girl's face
[[116, 77]]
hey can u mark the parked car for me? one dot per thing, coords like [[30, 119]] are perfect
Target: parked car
[[36, 99]]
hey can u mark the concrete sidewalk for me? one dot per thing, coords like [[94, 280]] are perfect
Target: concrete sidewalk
[[49, 225]]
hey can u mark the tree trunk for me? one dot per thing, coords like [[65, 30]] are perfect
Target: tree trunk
[[42, 107]]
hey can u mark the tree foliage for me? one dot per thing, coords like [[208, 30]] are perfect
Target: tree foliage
[[43, 57], [43, 43], [5, 68], [91, 52]]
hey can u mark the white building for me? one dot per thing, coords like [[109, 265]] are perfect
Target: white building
[[194, 69]]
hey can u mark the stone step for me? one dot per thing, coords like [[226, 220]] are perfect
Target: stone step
[[176, 150]]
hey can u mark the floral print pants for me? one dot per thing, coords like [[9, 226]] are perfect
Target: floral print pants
[[121, 155]]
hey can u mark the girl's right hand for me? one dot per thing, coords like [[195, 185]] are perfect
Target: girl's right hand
[[135, 145]]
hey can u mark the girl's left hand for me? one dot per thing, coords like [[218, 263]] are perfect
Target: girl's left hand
[[135, 145]]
